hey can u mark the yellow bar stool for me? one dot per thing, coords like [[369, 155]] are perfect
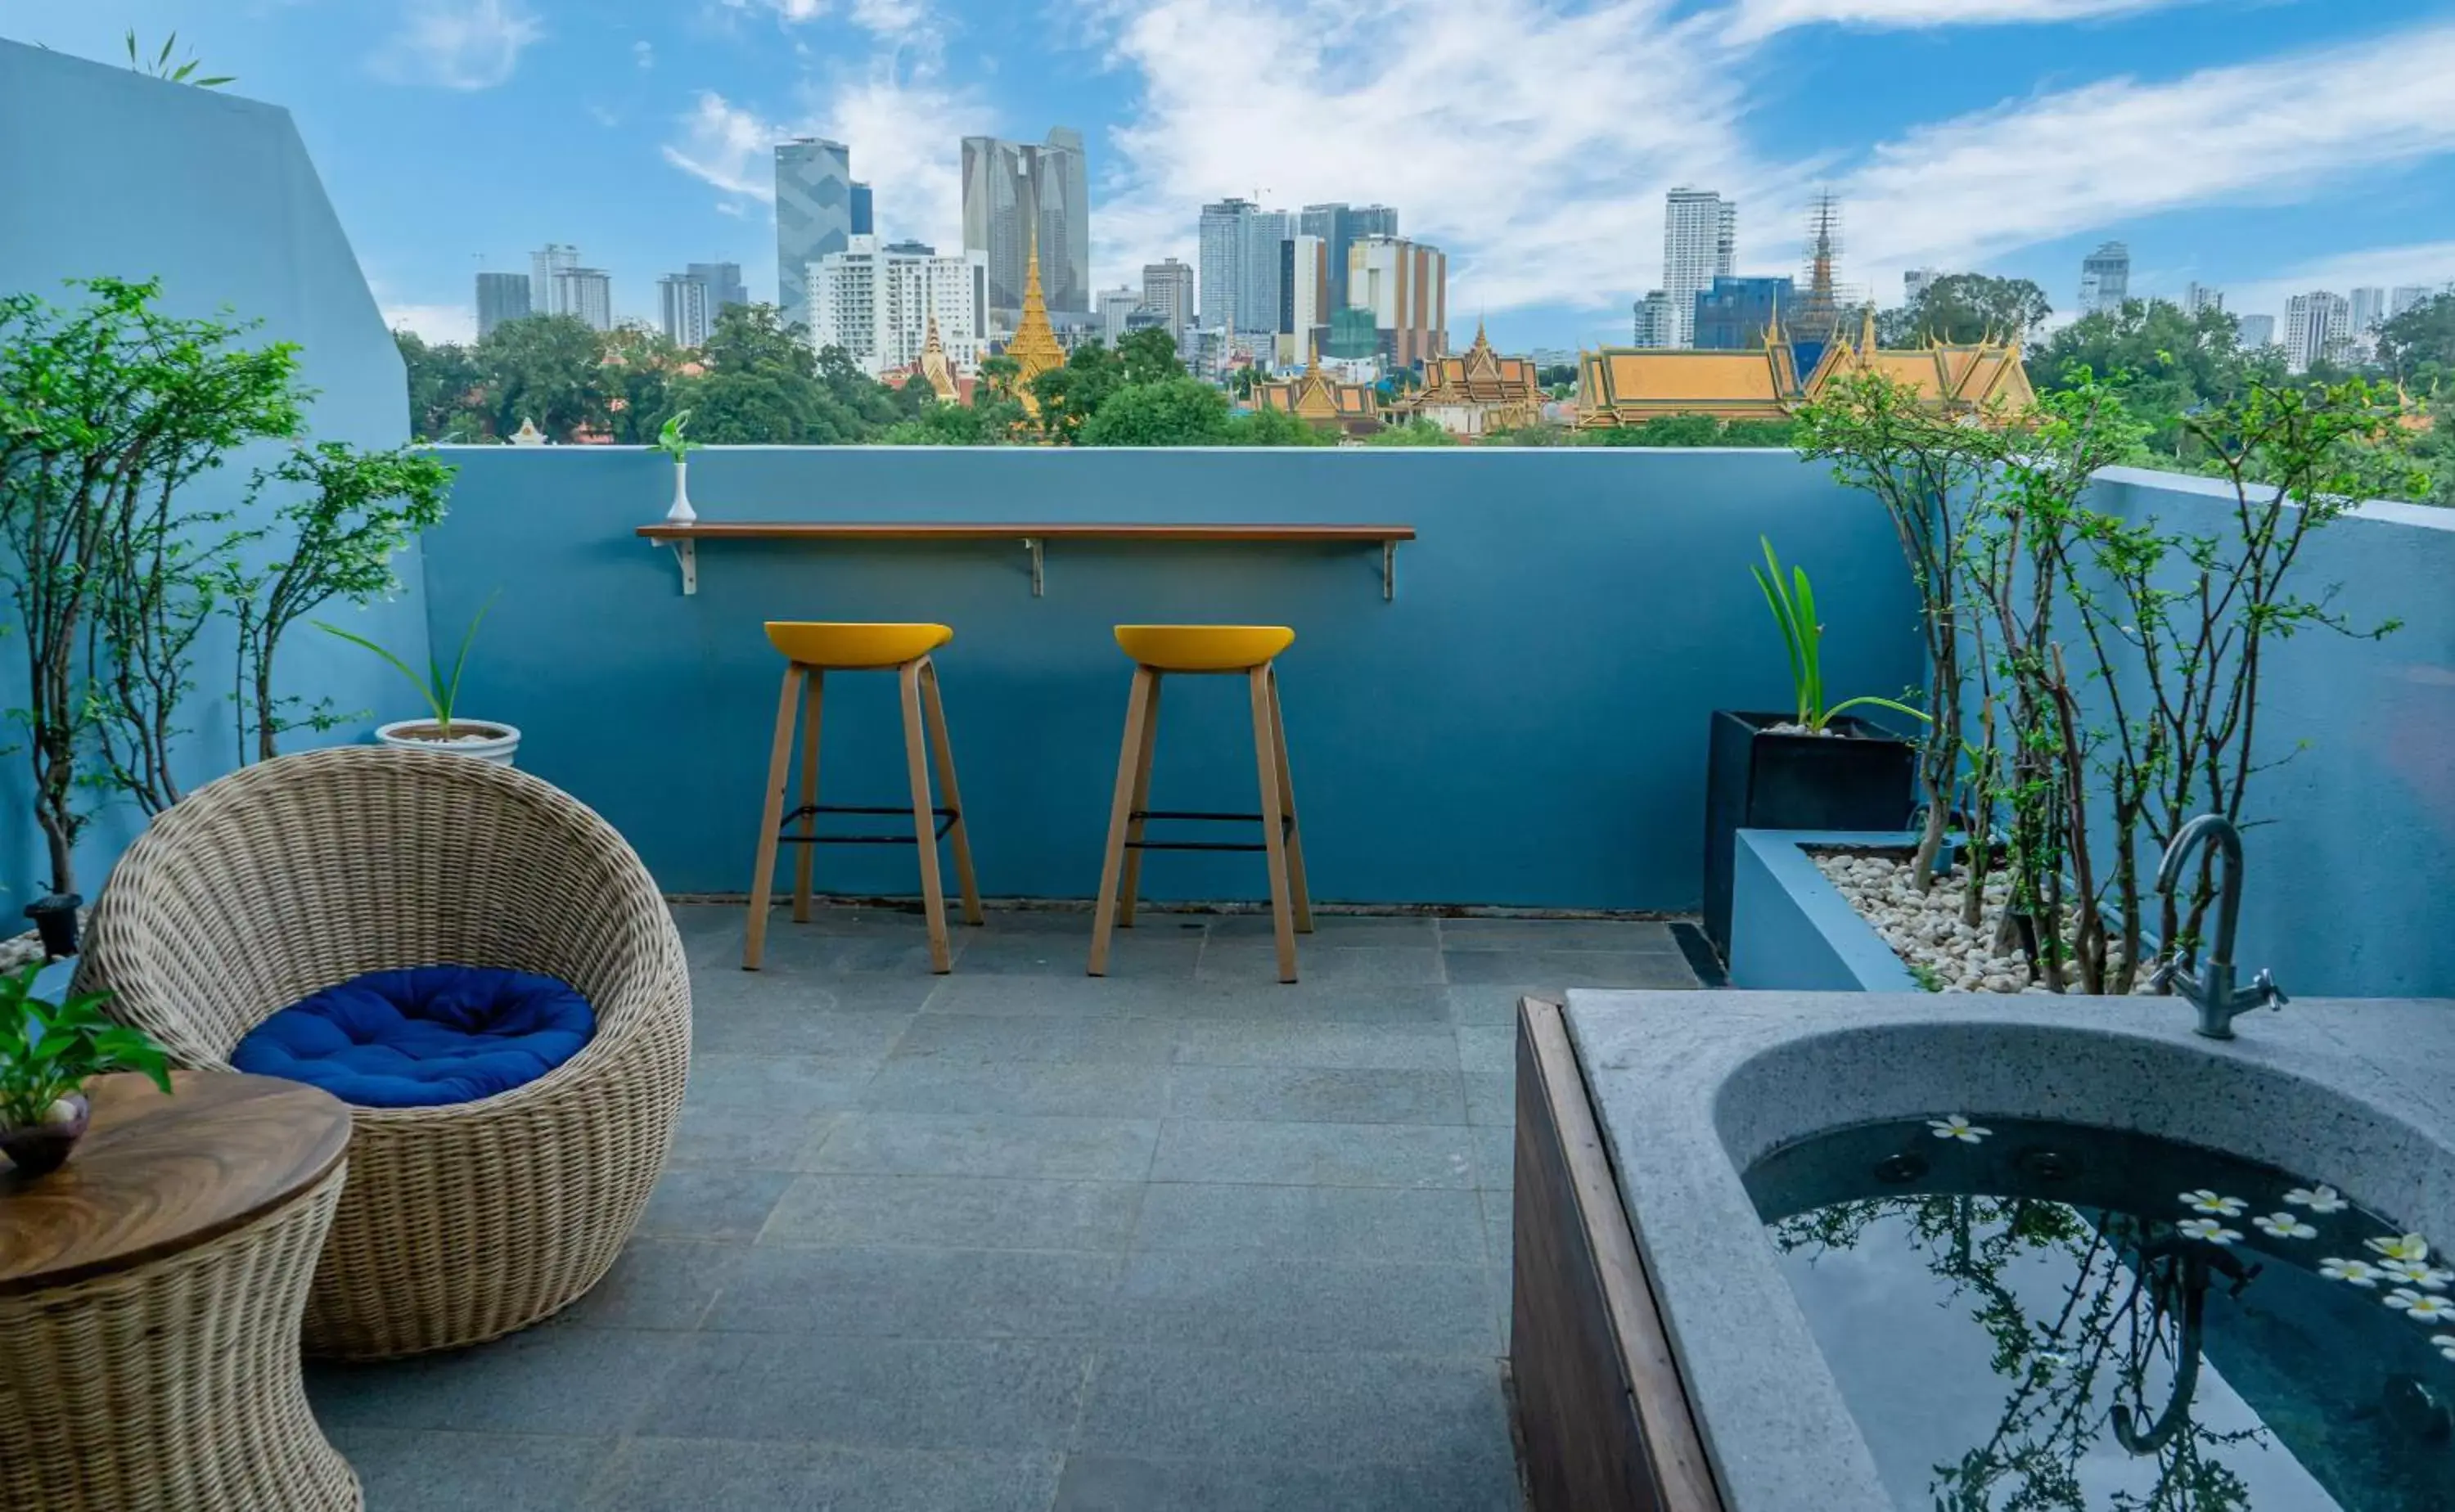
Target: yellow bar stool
[[1243, 649], [811, 650]]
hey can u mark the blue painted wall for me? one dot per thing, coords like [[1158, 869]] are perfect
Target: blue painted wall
[[104, 170], [2352, 868], [1524, 725]]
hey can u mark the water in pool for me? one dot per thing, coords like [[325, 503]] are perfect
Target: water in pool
[[2034, 1316]]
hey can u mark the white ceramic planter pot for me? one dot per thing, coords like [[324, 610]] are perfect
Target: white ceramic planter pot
[[681, 513], [482, 739]]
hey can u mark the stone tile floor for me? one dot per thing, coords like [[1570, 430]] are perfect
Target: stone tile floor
[[1018, 1240]]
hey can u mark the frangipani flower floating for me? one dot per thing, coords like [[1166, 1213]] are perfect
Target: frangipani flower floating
[[2204, 1201], [2317, 1198], [2407, 1247], [2352, 1271], [1957, 1127], [2207, 1230], [2283, 1225], [2422, 1307], [2445, 1343], [2419, 1273]]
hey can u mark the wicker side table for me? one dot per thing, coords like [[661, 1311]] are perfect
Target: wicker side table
[[151, 1292]]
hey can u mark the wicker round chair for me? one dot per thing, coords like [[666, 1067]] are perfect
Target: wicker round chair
[[458, 1223]]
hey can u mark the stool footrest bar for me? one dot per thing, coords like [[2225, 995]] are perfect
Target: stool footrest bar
[[1194, 845], [1285, 820]]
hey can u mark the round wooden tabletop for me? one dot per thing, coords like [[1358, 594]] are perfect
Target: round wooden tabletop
[[156, 1175]]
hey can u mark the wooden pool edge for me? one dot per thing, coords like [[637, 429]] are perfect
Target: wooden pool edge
[[1604, 1419]]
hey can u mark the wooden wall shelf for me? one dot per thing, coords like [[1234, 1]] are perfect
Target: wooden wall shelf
[[684, 538]]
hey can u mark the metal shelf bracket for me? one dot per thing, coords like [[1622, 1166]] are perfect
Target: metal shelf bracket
[[1032, 544]]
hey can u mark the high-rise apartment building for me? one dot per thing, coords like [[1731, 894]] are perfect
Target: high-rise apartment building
[[2254, 331], [864, 215], [1734, 314], [1338, 226], [1222, 254], [1406, 286], [813, 215], [1304, 297], [2106, 279], [1257, 308], [2199, 296], [724, 287], [2404, 296], [500, 297], [1167, 291], [2368, 309], [1915, 282], [1013, 189], [586, 293], [1699, 239], [2317, 327], [1115, 306], [877, 304], [1653, 325], [686, 308], [553, 257]]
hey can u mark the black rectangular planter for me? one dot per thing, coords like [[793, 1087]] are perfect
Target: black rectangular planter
[[1864, 779]]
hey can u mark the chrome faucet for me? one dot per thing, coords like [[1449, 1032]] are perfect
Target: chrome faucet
[[2212, 991]]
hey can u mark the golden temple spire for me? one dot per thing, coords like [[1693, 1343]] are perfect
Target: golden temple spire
[[939, 372], [1034, 348]]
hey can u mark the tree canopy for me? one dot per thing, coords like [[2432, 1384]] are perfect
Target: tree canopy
[[1965, 308]]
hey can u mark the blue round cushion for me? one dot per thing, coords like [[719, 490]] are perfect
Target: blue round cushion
[[424, 1036]]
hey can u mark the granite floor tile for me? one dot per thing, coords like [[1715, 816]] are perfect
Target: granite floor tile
[[557, 1381], [744, 1137], [1256, 960], [695, 1475], [1028, 1041], [1402, 1155], [1313, 1222], [711, 1203], [1487, 1003], [1498, 1212], [1312, 1004], [909, 1293], [799, 950], [1495, 1158], [889, 1393], [933, 1085], [1492, 1098], [1229, 1300], [1139, 953], [1487, 1047], [1560, 969], [657, 1283], [1115, 1483], [1557, 934], [985, 1144], [966, 1212], [1333, 931], [768, 1083], [403, 1470], [1049, 994], [1393, 1047], [1316, 1095], [1443, 1413], [822, 1024]]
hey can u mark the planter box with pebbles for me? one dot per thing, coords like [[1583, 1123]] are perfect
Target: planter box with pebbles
[[1836, 911]]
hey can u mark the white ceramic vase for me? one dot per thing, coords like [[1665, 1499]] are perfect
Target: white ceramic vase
[[681, 513]]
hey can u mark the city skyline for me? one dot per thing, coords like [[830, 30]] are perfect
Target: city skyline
[[1530, 151]]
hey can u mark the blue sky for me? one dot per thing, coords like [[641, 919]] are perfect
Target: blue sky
[[2258, 144]]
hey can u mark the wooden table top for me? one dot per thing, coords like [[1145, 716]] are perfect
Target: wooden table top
[[156, 1175]]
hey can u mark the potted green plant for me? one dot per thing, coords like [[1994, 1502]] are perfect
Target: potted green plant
[[1814, 767], [48, 1052], [487, 739], [671, 441]]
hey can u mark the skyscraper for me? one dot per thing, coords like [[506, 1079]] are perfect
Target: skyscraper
[[1222, 256], [1115, 306], [586, 293], [1652, 325], [500, 297], [2199, 296], [685, 308], [1338, 226], [1734, 314], [2369, 308], [544, 263], [1916, 281], [864, 217], [2316, 326], [724, 286], [1012, 187], [878, 304], [1167, 291], [2106, 279], [1406, 286], [1699, 239], [1304, 296], [2404, 296], [813, 215], [2254, 331], [1257, 308]]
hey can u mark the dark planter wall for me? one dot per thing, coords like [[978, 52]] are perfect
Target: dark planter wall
[[1862, 781]]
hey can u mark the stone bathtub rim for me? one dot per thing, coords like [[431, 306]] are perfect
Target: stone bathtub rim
[[1657, 1064]]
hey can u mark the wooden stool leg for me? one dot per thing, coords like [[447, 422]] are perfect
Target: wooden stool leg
[[935, 707], [1112, 867], [1295, 817], [925, 820], [779, 769], [803, 863], [1134, 879], [1274, 840]]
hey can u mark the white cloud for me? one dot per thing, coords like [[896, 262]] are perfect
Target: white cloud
[[2428, 264], [1517, 137], [2282, 130], [728, 145], [433, 322], [1753, 19], [457, 44], [644, 53]]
